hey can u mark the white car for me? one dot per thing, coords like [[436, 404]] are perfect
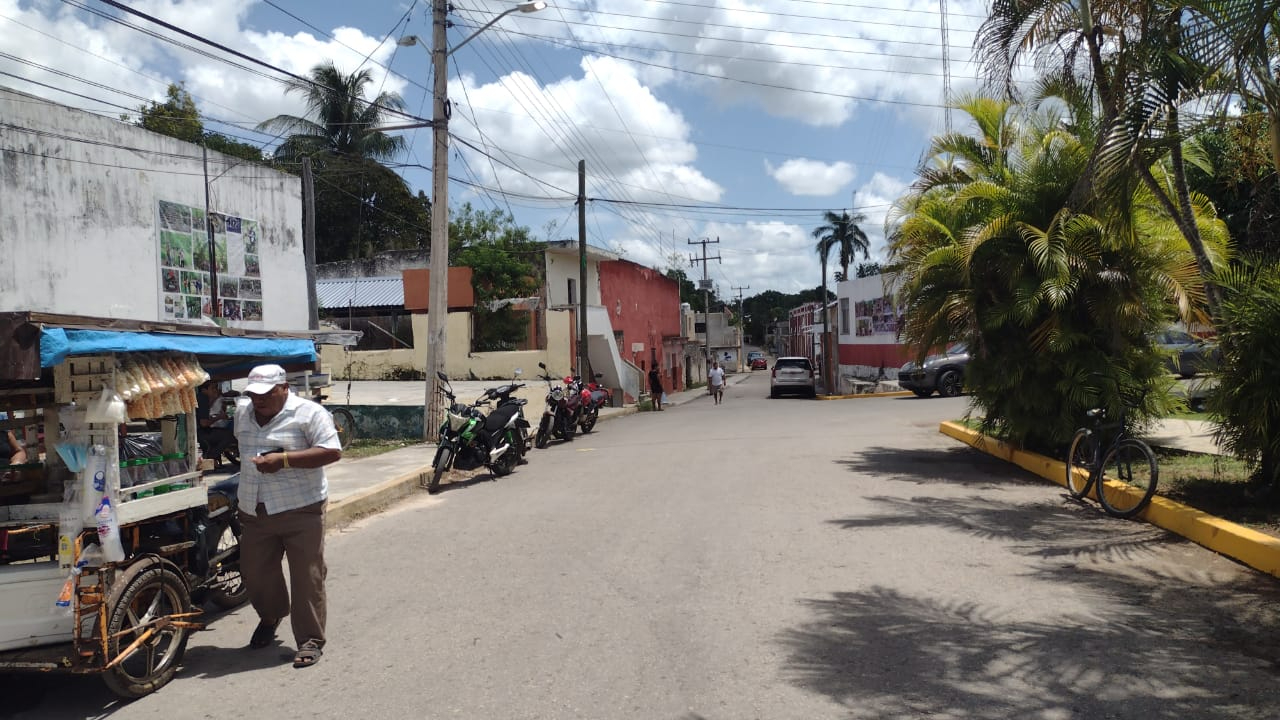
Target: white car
[[793, 375]]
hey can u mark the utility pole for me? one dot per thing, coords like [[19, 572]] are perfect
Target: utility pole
[[705, 285], [742, 327], [309, 242], [438, 276], [583, 368], [215, 311]]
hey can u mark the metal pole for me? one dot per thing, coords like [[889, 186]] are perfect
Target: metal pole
[[214, 310], [583, 368], [309, 242], [438, 276]]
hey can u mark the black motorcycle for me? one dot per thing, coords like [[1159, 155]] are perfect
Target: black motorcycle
[[563, 411], [469, 438], [502, 396], [218, 538]]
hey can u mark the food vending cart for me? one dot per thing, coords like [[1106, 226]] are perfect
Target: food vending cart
[[105, 409]]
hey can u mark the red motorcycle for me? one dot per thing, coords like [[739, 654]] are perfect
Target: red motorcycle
[[594, 397], [563, 412]]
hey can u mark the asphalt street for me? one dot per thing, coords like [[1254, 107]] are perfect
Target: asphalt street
[[758, 559]]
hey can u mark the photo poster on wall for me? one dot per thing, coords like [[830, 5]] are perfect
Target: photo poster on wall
[[185, 266]]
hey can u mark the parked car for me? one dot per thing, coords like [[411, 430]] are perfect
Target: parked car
[[757, 361], [1184, 353], [793, 375], [943, 373]]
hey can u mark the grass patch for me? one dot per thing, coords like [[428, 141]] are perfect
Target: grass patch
[[363, 447]]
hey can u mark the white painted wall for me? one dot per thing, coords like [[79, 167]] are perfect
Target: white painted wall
[[563, 264], [79, 197]]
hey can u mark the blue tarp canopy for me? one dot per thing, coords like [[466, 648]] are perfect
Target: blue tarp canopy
[[58, 343]]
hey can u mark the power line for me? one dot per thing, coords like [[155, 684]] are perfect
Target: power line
[[236, 53]]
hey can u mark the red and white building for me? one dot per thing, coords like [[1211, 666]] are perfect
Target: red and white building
[[867, 328], [645, 316]]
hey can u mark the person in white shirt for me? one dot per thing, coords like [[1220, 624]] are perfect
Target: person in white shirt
[[715, 380], [285, 442]]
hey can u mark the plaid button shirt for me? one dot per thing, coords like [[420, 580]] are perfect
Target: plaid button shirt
[[300, 424]]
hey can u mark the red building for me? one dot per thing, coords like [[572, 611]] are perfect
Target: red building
[[644, 309]]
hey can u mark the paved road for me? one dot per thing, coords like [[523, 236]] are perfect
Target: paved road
[[759, 559]]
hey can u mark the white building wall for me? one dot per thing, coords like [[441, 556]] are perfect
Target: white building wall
[[79, 197], [563, 266]]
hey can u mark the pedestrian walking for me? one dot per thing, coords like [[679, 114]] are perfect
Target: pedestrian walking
[[715, 380], [655, 387], [283, 493]]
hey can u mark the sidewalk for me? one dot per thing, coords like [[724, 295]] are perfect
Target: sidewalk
[[1191, 435]]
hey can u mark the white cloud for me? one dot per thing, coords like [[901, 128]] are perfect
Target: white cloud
[[801, 176]]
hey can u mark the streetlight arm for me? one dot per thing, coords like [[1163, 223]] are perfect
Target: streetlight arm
[[522, 7]]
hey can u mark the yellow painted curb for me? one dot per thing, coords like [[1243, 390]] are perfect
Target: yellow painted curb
[[1255, 549], [896, 393]]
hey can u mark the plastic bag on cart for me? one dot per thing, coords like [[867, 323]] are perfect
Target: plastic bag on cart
[[108, 408], [140, 445]]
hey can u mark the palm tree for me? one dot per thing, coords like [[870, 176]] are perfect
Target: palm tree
[[341, 120], [986, 249], [842, 232]]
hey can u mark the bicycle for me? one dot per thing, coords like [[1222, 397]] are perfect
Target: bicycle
[[343, 420], [1125, 475]]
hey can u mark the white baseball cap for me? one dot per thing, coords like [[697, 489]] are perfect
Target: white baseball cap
[[264, 378]]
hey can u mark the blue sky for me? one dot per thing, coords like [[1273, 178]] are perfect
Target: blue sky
[[782, 108]]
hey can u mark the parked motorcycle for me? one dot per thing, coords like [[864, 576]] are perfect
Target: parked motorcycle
[[563, 411], [218, 536], [502, 397], [471, 438], [594, 397]]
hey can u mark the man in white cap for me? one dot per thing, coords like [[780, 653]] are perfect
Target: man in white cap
[[285, 442]]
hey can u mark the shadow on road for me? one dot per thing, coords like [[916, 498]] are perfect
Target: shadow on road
[[960, 465], [884, 654]]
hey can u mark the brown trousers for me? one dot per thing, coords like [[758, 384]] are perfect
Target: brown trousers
[[296, 534]]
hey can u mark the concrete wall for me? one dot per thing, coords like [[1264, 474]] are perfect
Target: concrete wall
[[384, 264], [644, 305], [79, 198], [459, 363]]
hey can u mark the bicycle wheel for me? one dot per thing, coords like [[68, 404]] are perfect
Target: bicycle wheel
[[345, 422], [1080, 460], [1129, 477]]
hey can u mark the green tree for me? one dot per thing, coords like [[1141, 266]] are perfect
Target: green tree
[[341, 121], [506, 263], [987, 250], [362, 207], [842, 234], [179, 117]]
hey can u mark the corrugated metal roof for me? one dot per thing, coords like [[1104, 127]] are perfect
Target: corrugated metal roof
[[360, 292]]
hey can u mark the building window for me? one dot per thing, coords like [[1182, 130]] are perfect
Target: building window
[[573, 291], [617, 339], [844, 316]]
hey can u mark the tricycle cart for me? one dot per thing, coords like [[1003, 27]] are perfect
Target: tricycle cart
[[64, 607]]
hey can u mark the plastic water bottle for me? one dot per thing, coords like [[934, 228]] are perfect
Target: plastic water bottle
[[109, 531], [93, 478]]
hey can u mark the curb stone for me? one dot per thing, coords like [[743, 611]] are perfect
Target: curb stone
[[895, 393], [1259, 551]]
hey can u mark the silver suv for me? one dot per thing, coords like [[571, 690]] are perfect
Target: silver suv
[[792, 375]]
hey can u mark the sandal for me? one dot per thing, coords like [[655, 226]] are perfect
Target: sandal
[[264, 634], [308, 654]]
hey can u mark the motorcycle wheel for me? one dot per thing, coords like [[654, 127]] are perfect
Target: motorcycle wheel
[[589, 422], [231, 591], [570, 428], [543, 438], [507, 462], [442, 463]]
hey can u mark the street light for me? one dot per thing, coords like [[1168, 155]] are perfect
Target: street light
[[438, 275]]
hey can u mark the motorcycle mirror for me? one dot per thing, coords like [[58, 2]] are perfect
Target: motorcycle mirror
[[442, 376], [542, 365], [519, 372]]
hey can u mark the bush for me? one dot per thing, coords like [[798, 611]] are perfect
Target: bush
[[1246, 402]]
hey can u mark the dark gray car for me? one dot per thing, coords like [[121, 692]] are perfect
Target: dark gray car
[[943, 373], [1184, 353]]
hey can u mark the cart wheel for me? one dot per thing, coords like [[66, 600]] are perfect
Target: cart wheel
[[229, 590], [144, 593]]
